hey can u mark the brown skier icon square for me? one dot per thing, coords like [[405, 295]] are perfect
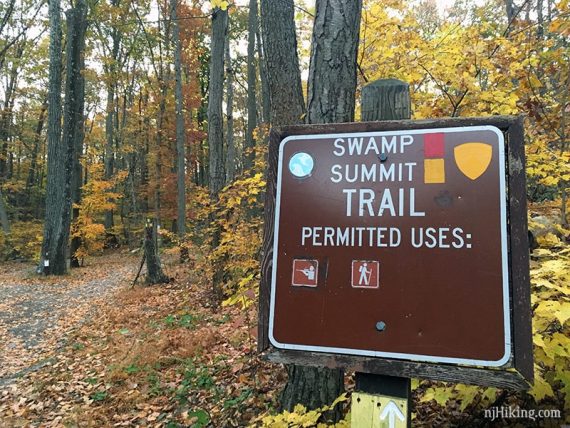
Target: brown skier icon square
[[305, 273], [365, 274]]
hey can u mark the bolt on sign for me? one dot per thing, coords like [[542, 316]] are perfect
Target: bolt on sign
[[399, 241]]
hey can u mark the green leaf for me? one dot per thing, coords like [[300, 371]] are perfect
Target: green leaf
[[201, 418]]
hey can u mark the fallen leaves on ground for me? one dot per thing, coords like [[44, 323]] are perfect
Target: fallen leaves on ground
[[158, 356]]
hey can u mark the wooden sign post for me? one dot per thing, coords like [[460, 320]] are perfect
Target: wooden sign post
[[398, 248]]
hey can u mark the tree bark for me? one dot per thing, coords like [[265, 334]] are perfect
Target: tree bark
[[30, 181], [510, 10], [180, 141], [4, 221], [332, 70], [54, 242], [231, 148], [282, 62], [111, 112], [215, 130], [251, 83], [154, 274], [265, 102], [77, 129], [6, 116]]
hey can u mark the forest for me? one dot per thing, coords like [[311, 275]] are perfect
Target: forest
[[134, 141]]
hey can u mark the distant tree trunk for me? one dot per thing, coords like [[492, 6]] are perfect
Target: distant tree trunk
[[158, 157], [30, 181], [540, 19], [77, 86], [215, 128], [6, 116], [180, 143], [251, 83], [154, 274], [4, 215], [265, 102], [231, 147], [510, 9], [54, 242], [111, 107]]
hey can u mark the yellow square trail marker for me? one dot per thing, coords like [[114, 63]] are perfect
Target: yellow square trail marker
[[434, 171], [378, 411]]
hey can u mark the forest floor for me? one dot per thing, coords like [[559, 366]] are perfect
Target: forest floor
[[89, 350]]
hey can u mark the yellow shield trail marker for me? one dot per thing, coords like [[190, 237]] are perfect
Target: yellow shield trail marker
[[473, 159]]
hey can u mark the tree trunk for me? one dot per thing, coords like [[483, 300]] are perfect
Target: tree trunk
[[30, 181], [78, 120], [540, 19], [282, 62], [231, 148], [510, 10], [332, 71], [54, 243], [265, 102], [4, 221], [110, 130], [180, 143], [7, 113], [154, 274], [251, 83], [215, 129]]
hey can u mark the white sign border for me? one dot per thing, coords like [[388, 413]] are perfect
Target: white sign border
[[402, 356]]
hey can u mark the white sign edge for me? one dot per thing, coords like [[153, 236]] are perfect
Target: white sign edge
[[401, 356]]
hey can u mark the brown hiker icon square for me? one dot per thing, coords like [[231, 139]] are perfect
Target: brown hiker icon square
[[365, 274]]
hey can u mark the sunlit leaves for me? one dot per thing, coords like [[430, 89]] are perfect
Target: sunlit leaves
[[301, 417], [221, 4]]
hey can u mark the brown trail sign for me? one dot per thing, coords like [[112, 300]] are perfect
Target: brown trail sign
[[399, 248]]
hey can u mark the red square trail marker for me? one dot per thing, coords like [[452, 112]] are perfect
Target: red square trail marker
[[440, 205], [305, 273], [434, 145], [365, 274]]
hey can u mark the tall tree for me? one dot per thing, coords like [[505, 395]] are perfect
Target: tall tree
[[230, 140], [216, 123], [265, 102], [112, 68], [73, 120], [54, 242], [251, 83], [180, 141], [4, 221]]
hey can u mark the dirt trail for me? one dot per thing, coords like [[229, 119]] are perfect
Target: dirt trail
[[38, 313]]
